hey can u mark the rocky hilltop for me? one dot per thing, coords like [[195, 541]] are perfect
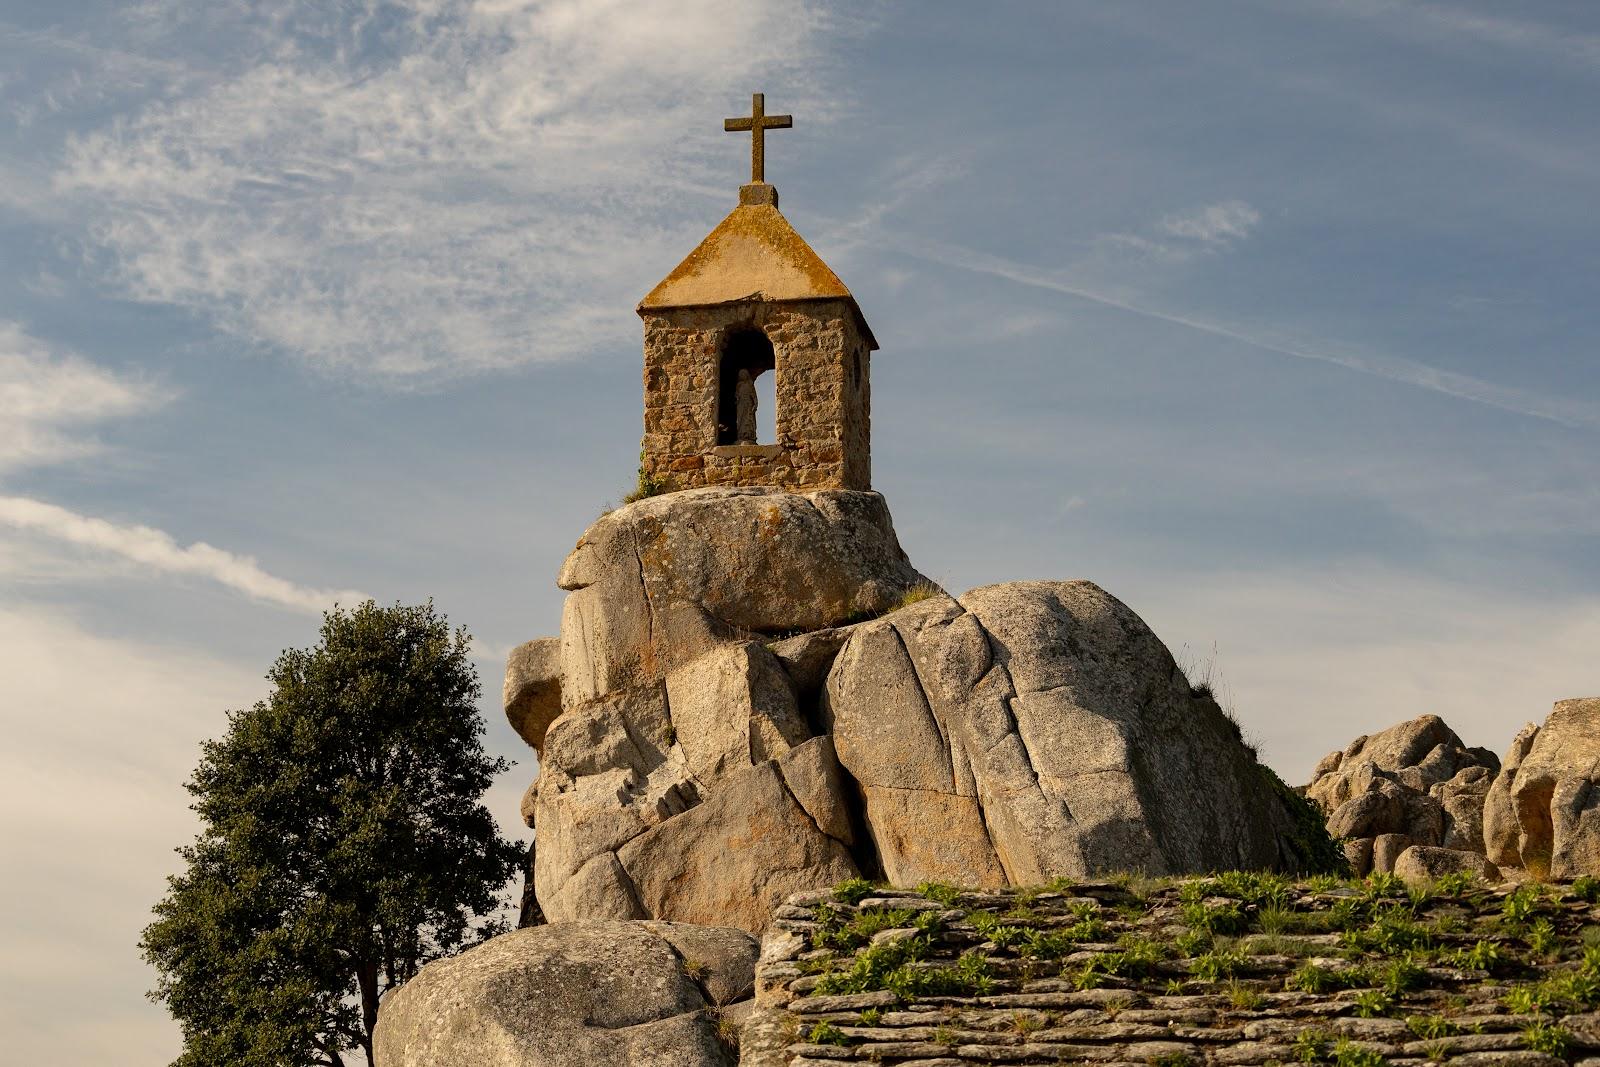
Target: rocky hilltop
[[755, 693], [755, 697]]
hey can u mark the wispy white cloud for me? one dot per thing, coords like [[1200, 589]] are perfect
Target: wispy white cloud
[[1568, 411], [1182, 236], [453, 186], [159, 552], [49, 397], [1214, 224]]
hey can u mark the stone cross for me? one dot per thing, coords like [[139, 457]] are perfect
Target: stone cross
[[758, 122]]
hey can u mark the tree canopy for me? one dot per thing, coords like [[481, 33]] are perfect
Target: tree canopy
[[343, 845]]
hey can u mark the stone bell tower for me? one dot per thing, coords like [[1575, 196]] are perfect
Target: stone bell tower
[[754, 299]]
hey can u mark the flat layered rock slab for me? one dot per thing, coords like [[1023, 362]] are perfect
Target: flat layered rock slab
[[1357, 972]]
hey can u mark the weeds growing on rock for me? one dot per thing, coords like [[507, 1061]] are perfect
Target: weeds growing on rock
[[647, 485], [1312, 1046], [1431, 1027], [1541, 937], [1215, 966], [919, 592], [1243, 996], [1521, 903], [827, 1034], [1548, 1038], [1483, 956], [948, 895], [1026, 1023], [1373, 1003], [1347, 1053], [1215, 918], [1456, 884]]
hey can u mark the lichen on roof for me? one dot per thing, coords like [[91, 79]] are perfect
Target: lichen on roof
[[754, 252]]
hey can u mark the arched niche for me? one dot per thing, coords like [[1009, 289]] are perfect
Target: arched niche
[[743, 349]]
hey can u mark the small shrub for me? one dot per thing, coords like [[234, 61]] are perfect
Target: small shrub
[[1193, 943], [1373, 1003], [1399, 976], [1007, 936], [1381, 885], [872, 1017], [943, 1035], [1313, 978], [1548, 1038], [827, 1034], [1087, 977], [1215, 966], [1483, 956], [1456, 884], [1580, 989], [1521, 903], [1390, 933], [1524, 1000], [1541, 937], [1257, 888], [694, 969], [1215, 919], [948, 895], [1311, 1046], [852, 891], [1586, 888]]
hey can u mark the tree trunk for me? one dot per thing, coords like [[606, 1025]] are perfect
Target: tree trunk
[[367, 978]]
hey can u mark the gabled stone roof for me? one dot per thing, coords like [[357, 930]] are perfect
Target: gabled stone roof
[[753, 254]]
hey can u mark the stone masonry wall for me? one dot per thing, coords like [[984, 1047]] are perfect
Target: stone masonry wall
[[1239, 969], [823, 435]]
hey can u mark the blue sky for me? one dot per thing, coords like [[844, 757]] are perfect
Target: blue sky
[[1278, 321]]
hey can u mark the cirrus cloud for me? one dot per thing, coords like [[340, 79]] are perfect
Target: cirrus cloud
[[438, 188]]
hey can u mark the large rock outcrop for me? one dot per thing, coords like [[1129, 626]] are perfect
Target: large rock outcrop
[[573, 995], [658, 583], [723, 650], [683, 778], [1044, 730], [1414, 784], [1543, 812]]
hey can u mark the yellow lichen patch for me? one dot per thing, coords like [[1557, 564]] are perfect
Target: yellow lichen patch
[[752, 251]]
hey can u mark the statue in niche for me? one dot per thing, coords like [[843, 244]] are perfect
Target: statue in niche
[[744, 408]]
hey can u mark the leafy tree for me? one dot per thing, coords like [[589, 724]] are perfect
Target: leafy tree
[[343, 845]]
